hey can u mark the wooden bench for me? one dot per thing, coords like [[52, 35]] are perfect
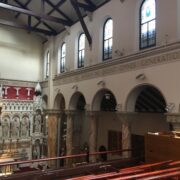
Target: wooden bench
[[148, 174], [150, 167]]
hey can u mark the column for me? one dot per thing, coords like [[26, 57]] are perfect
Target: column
[[126, 133], [92, 134], [69, 134], [52, 134], [126, 138]]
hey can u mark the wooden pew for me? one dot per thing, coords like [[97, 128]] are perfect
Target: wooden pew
[[164, 176], [150, 167], [126, 171], [148, 174], [174, 164]]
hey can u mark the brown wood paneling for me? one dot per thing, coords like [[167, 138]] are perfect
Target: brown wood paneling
[[161, 147]]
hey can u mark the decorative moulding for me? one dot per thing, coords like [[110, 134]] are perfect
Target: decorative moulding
[[141, 60]]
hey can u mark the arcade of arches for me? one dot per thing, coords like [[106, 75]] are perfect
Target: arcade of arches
[[105, 123]]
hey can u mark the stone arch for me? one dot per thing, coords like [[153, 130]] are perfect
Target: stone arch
[[102, 98], [149, 91], [77, 101], [59, 102], [79, 120], [149, 105], [106, 120]]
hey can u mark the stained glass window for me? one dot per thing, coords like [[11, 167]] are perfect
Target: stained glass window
[[81, 50], [148, 24], [63, 58], [47, 64], [107, 39]]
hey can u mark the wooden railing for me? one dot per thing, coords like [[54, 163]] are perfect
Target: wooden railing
[[65, 157], [161, 170], [36, 164]]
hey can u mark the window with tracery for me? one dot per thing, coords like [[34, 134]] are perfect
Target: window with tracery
[[107, 39], [81, 50], [148, 24]]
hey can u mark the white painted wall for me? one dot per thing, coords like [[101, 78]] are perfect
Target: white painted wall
[[126, 31], [20, 55], [126, 36]]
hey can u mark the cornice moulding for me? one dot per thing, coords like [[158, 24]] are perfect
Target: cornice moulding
[[11, 82], [142, 59]]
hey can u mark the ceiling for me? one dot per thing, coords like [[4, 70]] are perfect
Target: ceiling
[[47, 17]]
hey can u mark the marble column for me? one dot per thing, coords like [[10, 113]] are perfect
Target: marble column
[[92, 134], [126, 133], [174, 120], [69, 134], [52, 134]]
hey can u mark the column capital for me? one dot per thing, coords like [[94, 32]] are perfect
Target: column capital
[[70, 112], [53, 111], [174, 119]]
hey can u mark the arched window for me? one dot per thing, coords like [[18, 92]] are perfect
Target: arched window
[[148, 24], [81, 50], [47, 65], [63, 58], [107, 39]]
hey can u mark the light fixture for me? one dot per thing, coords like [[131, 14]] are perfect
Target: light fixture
[[107, 95]]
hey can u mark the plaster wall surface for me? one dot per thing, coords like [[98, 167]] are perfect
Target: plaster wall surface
[[20, 55]]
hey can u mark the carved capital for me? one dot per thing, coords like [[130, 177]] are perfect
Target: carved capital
[[70, 112], [53, 112], [174, 119]]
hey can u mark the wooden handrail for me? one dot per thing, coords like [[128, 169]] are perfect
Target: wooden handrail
[[63, 157]]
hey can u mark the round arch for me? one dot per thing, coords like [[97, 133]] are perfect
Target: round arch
[[102, 99], [148, 91], [77, 101], [59, 102]]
